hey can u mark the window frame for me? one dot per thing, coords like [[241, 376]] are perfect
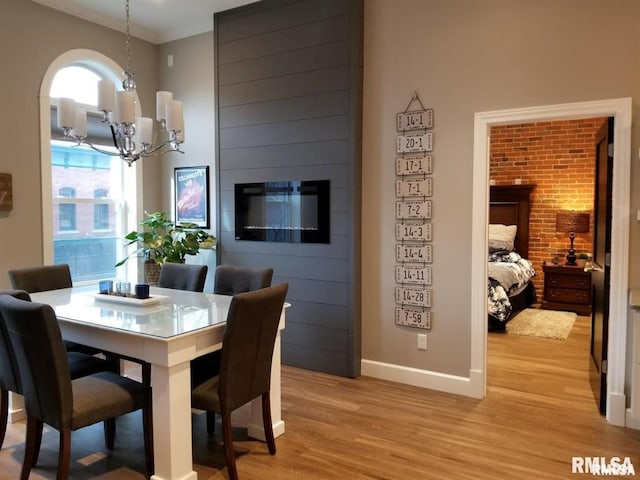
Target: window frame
[[106, 68]]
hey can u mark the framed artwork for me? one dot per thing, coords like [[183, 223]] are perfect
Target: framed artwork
[[192, 195]]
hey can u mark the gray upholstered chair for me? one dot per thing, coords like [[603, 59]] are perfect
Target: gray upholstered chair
[[245, 368], [80, 365], [43, 278], [52, 397], [229, 280], [183, 276]]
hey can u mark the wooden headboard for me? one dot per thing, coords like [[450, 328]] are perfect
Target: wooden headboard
[[510, 205]]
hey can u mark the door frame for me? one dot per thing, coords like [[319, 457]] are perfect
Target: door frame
[[620, 110]]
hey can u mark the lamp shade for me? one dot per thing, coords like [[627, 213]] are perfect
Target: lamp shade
[[571, 221]]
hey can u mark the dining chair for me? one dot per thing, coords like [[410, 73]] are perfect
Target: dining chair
[[183, 276], [51, 396], [43, 278], [245, 368], [229, 280], [80, 365]]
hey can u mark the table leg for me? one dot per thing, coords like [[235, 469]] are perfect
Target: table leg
[[172, 423]]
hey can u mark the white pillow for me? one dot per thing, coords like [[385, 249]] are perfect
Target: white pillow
[[501, 237]]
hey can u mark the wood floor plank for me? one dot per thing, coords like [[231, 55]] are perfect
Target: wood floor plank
[[538, 413]]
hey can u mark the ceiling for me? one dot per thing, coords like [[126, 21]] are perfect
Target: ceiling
[[157, 21]]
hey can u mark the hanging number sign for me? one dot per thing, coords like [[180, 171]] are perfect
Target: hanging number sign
[[418, 296], [415, 142], [413, 274], [413, 232], [417, 120], [413, 165], [413, 317], [414, 187]]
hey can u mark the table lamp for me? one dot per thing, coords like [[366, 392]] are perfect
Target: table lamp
[[572, 222]]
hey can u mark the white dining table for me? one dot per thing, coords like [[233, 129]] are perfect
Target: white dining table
[[168, 330]]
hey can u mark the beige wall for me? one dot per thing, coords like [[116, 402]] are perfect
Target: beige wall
[[463, 57]]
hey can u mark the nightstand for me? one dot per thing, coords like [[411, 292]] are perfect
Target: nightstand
[[567, 288]]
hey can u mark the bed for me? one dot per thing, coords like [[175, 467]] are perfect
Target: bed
[[509, 286]]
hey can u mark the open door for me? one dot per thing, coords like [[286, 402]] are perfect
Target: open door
[[601, 266]]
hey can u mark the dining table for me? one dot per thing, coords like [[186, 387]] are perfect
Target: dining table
[[167, 330]]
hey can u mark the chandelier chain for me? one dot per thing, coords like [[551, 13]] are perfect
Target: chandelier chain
[[128, 38]]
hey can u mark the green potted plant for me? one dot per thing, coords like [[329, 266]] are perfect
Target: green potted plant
[[161, 240]]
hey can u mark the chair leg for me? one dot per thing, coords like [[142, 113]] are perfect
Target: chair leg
[[109, 432], [4, 413], [211, 423], [64, 455], [36, 454], [147, 428], [146, 373], [227, 436], [31, 447], [267, 422]]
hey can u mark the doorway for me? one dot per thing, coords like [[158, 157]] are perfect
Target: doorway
[[620, 110]]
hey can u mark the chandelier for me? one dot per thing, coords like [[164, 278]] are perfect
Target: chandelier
[[132, 136]]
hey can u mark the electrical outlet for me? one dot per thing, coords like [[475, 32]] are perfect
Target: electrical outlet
[[422, 341]]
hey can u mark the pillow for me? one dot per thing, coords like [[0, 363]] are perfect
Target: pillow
[[501, 237]]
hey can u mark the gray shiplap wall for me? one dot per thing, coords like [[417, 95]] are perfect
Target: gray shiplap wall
[[289, 103]]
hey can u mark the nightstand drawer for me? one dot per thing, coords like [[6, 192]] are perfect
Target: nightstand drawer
[[567, 281], [567, 295]]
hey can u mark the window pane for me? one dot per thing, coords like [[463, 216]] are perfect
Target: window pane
[[78, 83], [89, 236]]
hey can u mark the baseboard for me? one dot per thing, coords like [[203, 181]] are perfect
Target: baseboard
[[616, 409], [631, 421], [473, 386]]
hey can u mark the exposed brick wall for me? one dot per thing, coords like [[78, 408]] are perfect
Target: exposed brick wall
[[559, 158]]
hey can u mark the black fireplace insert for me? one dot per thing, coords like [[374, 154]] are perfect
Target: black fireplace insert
[[287, 211]]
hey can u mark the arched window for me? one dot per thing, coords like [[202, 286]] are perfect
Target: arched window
[[92, 197]]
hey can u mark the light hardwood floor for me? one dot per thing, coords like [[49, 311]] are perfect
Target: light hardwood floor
[[539, 412]]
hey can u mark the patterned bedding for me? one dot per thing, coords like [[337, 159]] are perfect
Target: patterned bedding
[[508, 272]]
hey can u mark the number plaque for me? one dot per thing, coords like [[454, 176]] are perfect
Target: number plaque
[[413, 232], [413, 274], [414, 165], [414, 187], [413, 209], [415, 142], [413, 253], [418, 120], [413, 317], [417, 296]]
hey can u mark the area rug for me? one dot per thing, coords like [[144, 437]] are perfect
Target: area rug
[[534, 322]]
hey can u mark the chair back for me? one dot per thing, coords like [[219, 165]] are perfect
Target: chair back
[[42, 278], [9, 373], [231, 280], [183, 276], [44, 370], [247, 346]]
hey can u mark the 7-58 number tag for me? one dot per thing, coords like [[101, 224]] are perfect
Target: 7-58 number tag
[[413, 317]]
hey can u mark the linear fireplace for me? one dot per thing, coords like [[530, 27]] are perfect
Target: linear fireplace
[[287, 211]]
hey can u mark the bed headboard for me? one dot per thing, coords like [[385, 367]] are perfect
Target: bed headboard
[[510, 205]]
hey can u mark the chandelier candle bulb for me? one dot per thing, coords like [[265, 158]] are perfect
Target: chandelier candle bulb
[[144, 130], [126, 106], [66, 112], [162, 101], [106, 95], [174, 115], [80, 127]]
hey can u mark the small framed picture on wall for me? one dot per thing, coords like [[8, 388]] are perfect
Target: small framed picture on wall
[[191, 187]]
